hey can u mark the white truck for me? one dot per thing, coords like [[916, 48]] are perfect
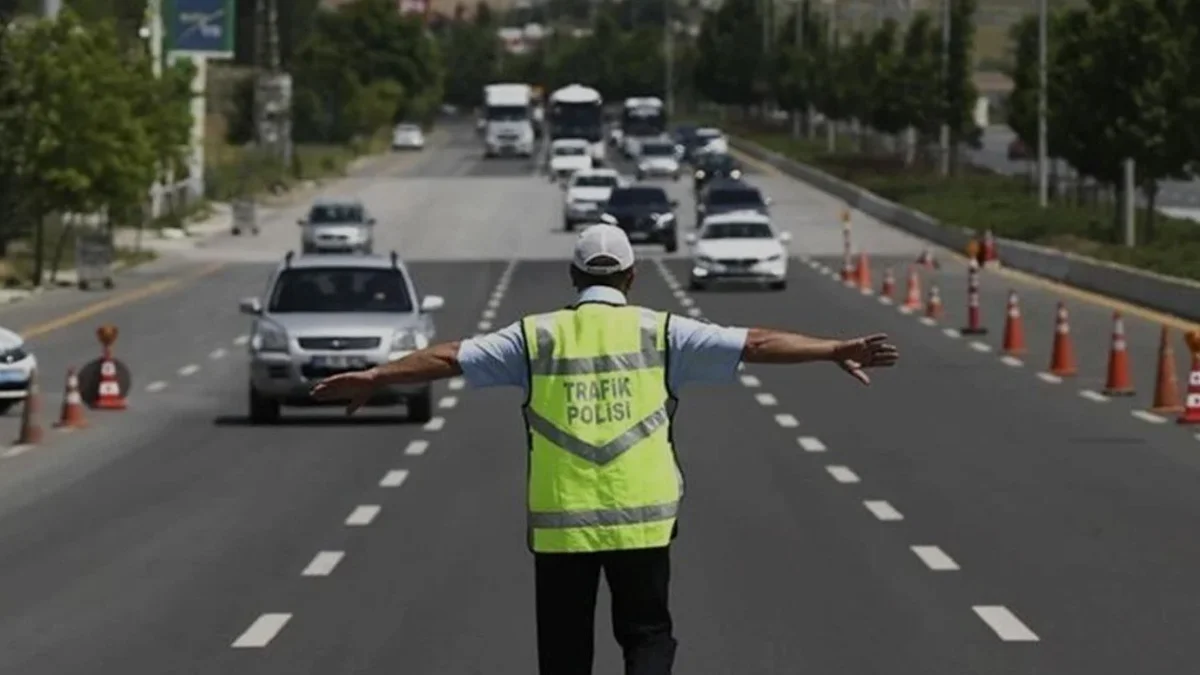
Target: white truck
[[576, 111], [508, 120]]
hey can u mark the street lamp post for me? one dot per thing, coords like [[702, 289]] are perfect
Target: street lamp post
[[945, 129]]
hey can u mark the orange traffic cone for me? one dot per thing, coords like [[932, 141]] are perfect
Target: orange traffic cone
[[912, 300], [889, 284], [933, 307], [1014, 327], [1119, 382], [974, 321], [31, 430], [110, 397], [72, 408], [1191, 404], [863, 272], [1062, 360], [1166, 387]]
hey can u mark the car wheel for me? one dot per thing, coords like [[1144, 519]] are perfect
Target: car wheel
[[695, 285], [671, 245], [568, 225], [263, 410], [420, 407], [778, 285], [6, 405]]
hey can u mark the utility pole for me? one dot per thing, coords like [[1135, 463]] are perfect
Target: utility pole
[[273, 90], [669, 58], [830, 125], [1043, 168], [946, 112], [51, 8], [154, 33]]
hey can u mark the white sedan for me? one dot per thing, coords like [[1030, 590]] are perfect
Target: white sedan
[[568, 155], [16, 368], [740, 246], [658, 158], [408, 137]]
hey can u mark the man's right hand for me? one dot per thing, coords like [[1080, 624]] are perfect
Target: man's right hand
[[874, 351]]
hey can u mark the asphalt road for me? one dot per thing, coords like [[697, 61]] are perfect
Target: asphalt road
[[1053, 531]]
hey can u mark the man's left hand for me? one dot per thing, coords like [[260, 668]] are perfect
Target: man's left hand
[[356, 386]]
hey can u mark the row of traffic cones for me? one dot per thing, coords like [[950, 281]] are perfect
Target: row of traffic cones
[[71, 417]]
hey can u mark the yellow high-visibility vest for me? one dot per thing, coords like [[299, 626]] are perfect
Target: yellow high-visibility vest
[[602, 471]]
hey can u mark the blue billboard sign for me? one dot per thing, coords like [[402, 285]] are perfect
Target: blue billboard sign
[[200, 27]]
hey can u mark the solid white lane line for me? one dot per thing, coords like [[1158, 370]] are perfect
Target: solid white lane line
[[394, 478], [456, 384], [217, 353], [787, 421], [842, 474], [363, 515], [485, 325], [156, 386], [448, 402], [750, 381], [1093, 396], [435, 424], [882, 510], [811, 444], [981, 347], [1012, 361], [190, 369], [241, 339], [416, 447], [935, 558], [1049, 377], [323, 563], [951, 333], [694, 312], [765, 399], [262, 631], [1147, 416], [1006, 625]]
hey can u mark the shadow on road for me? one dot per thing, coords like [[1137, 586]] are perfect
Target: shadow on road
[[311, 421]]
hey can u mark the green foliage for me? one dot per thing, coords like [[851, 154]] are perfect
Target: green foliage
[[373, 106]]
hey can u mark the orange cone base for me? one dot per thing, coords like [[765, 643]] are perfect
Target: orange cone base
[[1062, 372], [110, 404], [1166, 409], [1120, 392]]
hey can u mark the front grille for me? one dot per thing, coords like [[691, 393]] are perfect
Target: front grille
[[311, 372], [737, 262], [336, 343]]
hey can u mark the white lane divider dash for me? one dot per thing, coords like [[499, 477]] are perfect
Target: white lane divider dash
[[935, 558], [1005, 624], [241, 339], [190, 369], [750, 381], [262, 631], [766, 399], [981, 347], [416, 447], [787, 421], [1050, 378], [811, 444], [448, 402], [363, 515], [16, 450], [686, 301], [928, 320], [1093, 396], [842, 474], [1147, 416], [951, 333], [394, 478], [679, 293], [435, 424], [882, 510], [218, 353], [456, 384], [489, 313], [693, 312], [1012, 361], [156, 386], [485, 325], [323, 563]]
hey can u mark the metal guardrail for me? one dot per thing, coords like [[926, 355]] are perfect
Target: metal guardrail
[[1173, 295]]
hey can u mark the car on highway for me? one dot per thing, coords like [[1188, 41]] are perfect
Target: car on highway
[[586, 194], [705, 139], [17, 365], [337, 225], [714, 165], [568, 155], [725, 195], [657, 158], [740, 247], [332, 314], [408, 137], [645, 213]]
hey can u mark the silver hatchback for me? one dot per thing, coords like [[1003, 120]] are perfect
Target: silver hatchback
[[332, 314], [337, 226]]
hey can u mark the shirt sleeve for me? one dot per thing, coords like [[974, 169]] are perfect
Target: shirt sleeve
[[702, 352], [495, 359]]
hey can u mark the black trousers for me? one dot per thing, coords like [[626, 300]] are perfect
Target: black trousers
[[566, 609]]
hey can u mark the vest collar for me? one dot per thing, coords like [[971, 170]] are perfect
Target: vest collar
[[601, 294]]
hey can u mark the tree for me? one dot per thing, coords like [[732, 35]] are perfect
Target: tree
[[470, 51], [918, 74], [731, 63], [373, 106], [959, 91]]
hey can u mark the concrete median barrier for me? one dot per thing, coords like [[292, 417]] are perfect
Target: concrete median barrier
[[1173, 295]]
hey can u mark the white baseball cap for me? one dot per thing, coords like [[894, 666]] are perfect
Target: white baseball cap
[[603, 241]]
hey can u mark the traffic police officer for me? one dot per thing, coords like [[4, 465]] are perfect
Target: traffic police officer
[[604, 487]]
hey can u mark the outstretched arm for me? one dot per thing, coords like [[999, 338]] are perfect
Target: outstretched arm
[[435, 362], [765, 345]]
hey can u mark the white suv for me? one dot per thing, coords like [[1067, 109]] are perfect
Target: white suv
[[586, 194]]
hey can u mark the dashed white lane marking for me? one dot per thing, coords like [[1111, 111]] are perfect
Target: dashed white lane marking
[[1012, 361], [1049, 377], [1147, 416], [456, 384], [687, 302], [935, 558], [485, 325], [1093, 396], [493, 302], [18, 450], [766, 399], [363, 515], [885, 300], [435, 424], [262, 631], [904, 309], [787, 421], [448, 402], [750, 381], [1006, 625], [217, 353], [981, 346], [156, 386], [679, 293], [866, 291], [189, 369], [693, 312], [842, 474], [811, 444], [416, 447], [928, 321], [394, 478], [489, 313], [882, 510], [952, 333], [323, 563], [241, 339]]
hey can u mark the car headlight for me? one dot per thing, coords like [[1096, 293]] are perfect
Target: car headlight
[[269, 338], [704, 260], [409, 341], [735, 174], [700, 175], [664, 219], [775, 258], [13, 355]]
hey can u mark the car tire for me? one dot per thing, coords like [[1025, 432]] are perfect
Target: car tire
[[671, 245], [568, 225], [695, 285], [778, 285], [420, 407], [263, 410]]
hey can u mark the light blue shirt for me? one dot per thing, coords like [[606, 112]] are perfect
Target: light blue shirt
[[700, 352]]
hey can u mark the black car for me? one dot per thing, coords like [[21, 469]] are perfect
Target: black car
[[714, 165], [645, 213], [725, 195]]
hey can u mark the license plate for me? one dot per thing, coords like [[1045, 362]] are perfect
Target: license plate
[[638, 236], [12, 376], [339, 361]]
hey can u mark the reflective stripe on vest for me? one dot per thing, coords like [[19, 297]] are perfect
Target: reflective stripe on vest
[[602, 470]]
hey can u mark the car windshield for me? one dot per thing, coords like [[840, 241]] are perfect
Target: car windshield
[[568, 150], [658, 150], [340, 289], [638, 196], [722, 197], [407, 128], [336, 213], [708, 134], [715, 162], [737, 231], [595, 181]]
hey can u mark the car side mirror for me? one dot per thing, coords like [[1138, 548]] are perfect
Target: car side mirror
[[250, 306], [785, 237], [604, 217], [690, 238], [432, 303]]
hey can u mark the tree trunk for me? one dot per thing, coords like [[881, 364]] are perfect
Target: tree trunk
[[1151, 192]]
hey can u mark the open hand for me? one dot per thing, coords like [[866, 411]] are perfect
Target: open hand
[[355, 386], [873, 351]]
